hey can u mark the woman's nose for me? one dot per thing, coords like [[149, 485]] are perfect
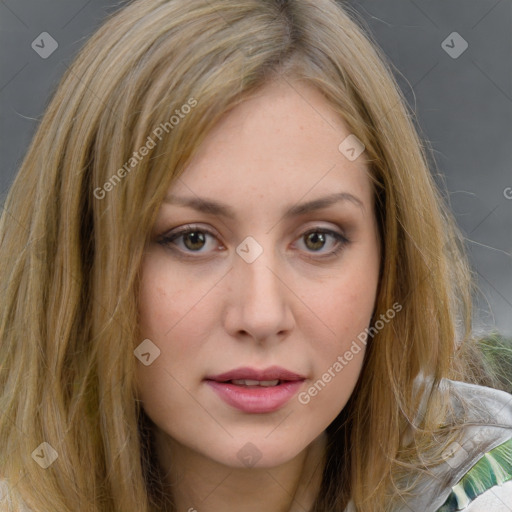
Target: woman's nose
[[258, 305]]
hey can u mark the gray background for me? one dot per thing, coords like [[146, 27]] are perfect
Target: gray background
[[463, 106]]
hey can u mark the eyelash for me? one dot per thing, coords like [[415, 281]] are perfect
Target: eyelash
[[168, 240]]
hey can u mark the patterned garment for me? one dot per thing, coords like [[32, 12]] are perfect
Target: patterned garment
[[476, 475], [486, 477]]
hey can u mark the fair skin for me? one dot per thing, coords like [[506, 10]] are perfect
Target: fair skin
[[295, 306]]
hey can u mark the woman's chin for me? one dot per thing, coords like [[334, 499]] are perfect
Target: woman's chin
[[256, 452]]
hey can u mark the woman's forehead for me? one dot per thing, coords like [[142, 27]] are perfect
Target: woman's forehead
[[286, 140]]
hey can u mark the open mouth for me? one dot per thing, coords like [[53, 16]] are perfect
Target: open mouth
[[255, 383], [254, 391]]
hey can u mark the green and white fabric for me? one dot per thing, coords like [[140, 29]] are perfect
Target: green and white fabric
[[486, 486]]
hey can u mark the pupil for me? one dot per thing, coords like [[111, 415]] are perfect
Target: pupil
[[195, 238], [318, 240]]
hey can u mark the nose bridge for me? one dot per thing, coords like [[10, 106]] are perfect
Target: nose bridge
[[256, 267], [259, 302]]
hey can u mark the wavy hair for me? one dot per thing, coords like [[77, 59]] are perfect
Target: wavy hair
[[78, 216]]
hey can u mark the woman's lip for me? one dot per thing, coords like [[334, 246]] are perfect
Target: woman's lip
[[248, 373], [256, 399]]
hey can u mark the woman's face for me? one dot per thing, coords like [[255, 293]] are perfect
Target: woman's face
[[274, 281]]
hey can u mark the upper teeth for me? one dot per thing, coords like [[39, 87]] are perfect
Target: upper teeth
[[248, 382]]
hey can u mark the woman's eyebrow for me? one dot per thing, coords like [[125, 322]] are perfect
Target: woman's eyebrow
[[214, 207]]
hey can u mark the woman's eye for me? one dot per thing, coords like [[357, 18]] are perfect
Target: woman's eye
[[317, 240], [195, 240], [189, 239]]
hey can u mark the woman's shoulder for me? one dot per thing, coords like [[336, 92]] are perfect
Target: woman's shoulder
[[477, 468], [489, 404], [480, 464]]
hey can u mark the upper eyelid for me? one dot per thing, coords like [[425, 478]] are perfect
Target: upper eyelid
[[196, 227], [180, 231]]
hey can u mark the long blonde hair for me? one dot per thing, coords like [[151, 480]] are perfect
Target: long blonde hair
[[75, 226]]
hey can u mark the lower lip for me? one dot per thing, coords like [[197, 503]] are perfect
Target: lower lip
[[256, 399]]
